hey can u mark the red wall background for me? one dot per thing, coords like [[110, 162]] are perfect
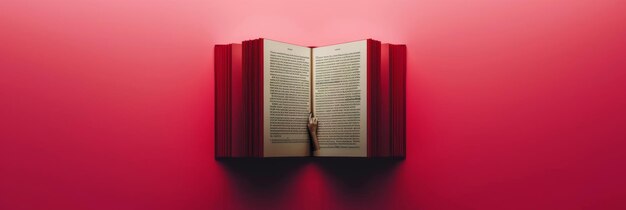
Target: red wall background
[[511, 105]]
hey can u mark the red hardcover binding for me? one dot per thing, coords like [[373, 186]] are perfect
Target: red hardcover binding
[[236, 101], [384, 103], [373, 106], [398, 97], [218, 71], [246, 99], [258, 149], [252, 90], [222, 141], [370, 150]]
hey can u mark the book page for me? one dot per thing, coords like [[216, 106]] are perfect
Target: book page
[[286, 95], [340, 98]]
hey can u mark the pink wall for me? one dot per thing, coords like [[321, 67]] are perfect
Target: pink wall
[[511, 105]]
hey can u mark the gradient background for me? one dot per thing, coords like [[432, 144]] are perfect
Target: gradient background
[[511, 105]]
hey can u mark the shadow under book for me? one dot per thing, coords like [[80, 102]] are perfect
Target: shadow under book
[[265, 90]]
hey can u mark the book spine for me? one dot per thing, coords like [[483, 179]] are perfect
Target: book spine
[[246, 73], [261, 87], [373, 77], [222, 100], [217, 68], [370, 102], [384, 103], [252, 91], [236, 101], [257, 65], [398, 105]]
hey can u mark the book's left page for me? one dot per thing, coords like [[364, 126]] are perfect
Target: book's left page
[[286, 97]]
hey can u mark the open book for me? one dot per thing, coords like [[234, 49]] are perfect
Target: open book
[[265, 90]]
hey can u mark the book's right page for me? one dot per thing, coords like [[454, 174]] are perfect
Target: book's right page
[[340, 98]]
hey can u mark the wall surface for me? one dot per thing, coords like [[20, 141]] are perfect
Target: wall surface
[[108, 104]]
